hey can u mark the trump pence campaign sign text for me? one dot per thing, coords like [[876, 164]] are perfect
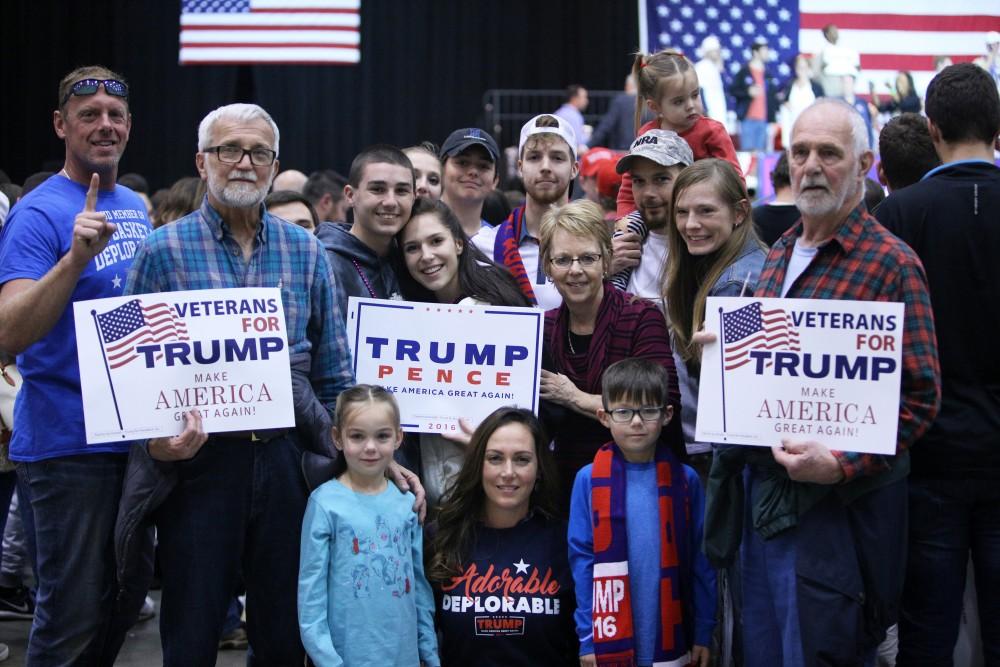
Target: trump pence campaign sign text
[[446, 361]]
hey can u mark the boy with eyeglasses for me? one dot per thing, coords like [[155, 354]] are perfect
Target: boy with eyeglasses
[[645, 592]]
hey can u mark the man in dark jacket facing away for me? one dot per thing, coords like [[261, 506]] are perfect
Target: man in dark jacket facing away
[[951, 219], [380, 188]]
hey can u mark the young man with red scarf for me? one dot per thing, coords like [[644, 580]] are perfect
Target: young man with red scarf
[[635, 500], [547, 163]]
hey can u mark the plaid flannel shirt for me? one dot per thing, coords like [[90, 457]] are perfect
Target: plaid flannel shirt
[[199, 252], [864, 262]]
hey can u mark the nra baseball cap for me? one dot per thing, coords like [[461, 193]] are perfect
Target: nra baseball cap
[[459, 140], [661, 146], [561, 129]]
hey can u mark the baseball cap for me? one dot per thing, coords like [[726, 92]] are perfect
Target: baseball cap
[[992, 37], [608, 179], [661, 146], [562, 129], [759, 40], [459, 140], [591, 161]]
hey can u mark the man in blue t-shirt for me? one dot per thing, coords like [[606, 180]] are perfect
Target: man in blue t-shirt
[[58, 246]]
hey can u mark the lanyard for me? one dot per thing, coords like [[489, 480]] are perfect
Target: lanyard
[[364, 278]]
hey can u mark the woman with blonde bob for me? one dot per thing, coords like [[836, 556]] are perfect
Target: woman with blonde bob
[[596, 325], [713, 250]]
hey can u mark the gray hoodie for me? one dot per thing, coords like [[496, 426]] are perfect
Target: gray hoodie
[[349, 257]]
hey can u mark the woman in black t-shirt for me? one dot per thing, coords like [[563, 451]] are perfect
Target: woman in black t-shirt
[[498, 560]]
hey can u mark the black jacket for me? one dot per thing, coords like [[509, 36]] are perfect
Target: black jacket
[[952, 221], [740, 90], [148, 483]]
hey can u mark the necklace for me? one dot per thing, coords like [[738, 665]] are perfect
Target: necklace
[[364, 278], [569, 339]]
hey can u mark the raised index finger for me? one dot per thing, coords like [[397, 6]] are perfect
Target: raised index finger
[[90, 205]]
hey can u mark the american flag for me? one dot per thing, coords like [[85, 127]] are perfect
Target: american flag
[[132, 324], [270, 31], [890, 36], [752, 328]]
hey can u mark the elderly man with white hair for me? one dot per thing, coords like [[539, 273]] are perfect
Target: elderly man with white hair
[[235, 510], [824, 533]]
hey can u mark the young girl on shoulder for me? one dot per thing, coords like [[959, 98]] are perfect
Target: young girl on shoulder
[[668, 85], [363, 597]]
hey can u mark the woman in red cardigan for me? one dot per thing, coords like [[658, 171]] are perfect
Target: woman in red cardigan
[[595, 326]]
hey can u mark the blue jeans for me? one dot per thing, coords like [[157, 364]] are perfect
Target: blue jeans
[[237, 509], [770, 614], [822, 593], [753, 135], [74, 501], [949, 520]]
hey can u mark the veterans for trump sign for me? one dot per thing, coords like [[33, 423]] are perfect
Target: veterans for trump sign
[[147, 359], [446, 361], [802, 369]]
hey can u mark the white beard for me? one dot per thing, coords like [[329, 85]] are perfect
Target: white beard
[[238, 194]]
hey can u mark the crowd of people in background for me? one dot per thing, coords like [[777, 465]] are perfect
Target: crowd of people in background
[[598, 532]]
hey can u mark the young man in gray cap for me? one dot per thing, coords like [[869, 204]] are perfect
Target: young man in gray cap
[[640, 242], [469, 173]]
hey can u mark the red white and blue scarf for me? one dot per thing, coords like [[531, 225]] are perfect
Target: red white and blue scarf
[[614, 641], [507, 253]]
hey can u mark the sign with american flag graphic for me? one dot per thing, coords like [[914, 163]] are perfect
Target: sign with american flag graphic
[[146, 360], [801, 369]]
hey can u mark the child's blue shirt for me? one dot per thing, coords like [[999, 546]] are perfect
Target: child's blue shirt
[[641, 509], [363, 597]]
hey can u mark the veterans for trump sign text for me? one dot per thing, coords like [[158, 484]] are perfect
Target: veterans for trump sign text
[[446, 361], [146, 359], [802, 369]]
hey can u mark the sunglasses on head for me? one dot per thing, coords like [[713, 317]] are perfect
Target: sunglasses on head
[[90, 87]]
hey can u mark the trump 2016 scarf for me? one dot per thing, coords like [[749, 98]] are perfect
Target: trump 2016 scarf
[[612, 610]]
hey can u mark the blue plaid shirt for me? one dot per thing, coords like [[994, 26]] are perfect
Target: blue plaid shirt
[[199, 252]]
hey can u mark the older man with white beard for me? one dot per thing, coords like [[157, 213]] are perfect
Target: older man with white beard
[[236, 509], [825, 584]]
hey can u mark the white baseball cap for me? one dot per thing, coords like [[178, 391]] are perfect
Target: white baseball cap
[[563, 130]]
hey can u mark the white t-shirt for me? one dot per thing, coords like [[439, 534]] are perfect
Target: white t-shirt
[[545, 291], [802, 257], [647, 278]]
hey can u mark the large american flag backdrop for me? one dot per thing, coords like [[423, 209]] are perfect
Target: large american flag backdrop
[[270, 31], [892, 35]]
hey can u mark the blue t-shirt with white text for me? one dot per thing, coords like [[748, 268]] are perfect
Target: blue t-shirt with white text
[[48, 414]]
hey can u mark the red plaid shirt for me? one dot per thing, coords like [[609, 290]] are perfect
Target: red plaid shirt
[[864, 262]]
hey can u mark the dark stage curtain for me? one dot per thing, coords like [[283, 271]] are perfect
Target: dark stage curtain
[[424, 68]]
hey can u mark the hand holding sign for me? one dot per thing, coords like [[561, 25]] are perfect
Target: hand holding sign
[[808, 462], [91, 229], [180, 447]]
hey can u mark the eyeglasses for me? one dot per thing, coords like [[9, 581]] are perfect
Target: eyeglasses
[[259, 157], [647, 413], [90, 87], [585, 261]]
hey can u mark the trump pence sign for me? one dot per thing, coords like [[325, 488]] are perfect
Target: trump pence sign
[[445, 361], [801, 369]]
